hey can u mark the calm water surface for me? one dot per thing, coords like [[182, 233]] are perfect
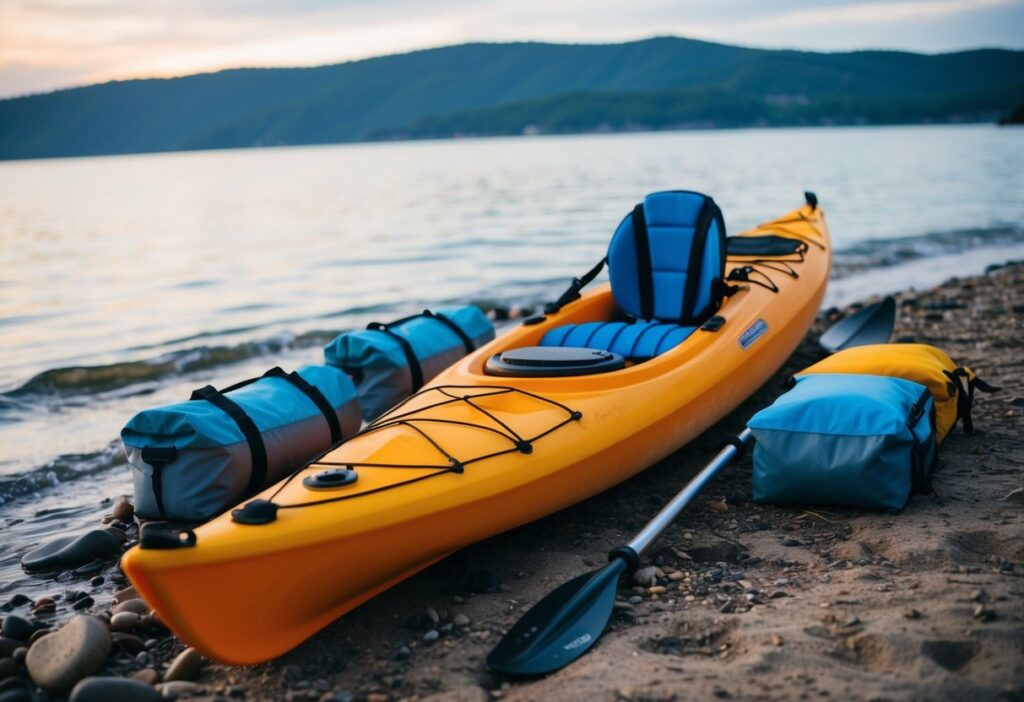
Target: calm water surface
[[127, 281]]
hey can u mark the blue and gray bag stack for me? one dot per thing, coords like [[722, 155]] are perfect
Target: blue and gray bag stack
[[391, 361], [192, 460], [857, 440]]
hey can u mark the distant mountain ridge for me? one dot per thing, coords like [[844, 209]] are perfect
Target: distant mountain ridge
[[659, 83]]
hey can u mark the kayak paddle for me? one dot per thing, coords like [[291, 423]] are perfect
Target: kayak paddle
[[871, 325], [567, 622]]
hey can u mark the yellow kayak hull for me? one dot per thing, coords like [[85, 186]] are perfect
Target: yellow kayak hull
[[244, 594]]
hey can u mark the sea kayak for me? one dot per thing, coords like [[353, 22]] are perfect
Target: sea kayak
[[474, 454]]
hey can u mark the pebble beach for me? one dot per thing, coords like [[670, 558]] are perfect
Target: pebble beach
[[737, 600]]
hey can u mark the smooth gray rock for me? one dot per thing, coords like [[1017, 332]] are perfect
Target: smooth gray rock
[[77, 650], [72, 551], [109, 689], [17, 628], [186, 666]]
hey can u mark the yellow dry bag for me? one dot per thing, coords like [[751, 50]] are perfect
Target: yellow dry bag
[[952, 386]]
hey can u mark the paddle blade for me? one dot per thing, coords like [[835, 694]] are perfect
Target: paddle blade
[[561, 627], [871, 325]]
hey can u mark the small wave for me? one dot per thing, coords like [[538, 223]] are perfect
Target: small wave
[[62, 469], [92, 379], [885, 253]]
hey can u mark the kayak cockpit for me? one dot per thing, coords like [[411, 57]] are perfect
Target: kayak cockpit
[[666, 265]]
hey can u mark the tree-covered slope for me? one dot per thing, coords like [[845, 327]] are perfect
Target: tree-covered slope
[[501, 88]]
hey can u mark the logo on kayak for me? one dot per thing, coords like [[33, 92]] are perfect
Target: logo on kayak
[[755, 332], [576, 643]]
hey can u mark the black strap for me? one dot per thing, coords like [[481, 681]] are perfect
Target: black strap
[[965, 396], [917, 410], [415, 369], [258, 452], [315, 395], [694, 265], [722, 289], [743, 274], [573, 291], [450, 323], [158, 457], [309, 390], [645, 275], [920, 473]]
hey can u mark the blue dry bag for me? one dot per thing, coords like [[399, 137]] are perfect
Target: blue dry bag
[[858, 440], [391, 361], [192, 460]]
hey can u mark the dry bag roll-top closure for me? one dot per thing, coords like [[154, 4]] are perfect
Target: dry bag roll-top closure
[[192, 460]]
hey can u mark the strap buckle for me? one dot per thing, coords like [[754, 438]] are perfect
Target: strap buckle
[[162, 536]]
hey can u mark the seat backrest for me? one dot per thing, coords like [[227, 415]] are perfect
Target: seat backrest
[[666, 256]]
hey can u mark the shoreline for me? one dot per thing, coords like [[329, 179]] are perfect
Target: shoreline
[[496, 137], [831, 603]]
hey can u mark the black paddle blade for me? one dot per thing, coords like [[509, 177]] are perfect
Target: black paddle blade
[[561, 627], [871, 325]]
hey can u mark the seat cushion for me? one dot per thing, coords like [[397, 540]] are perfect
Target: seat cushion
[[637, 341], [665, 256]]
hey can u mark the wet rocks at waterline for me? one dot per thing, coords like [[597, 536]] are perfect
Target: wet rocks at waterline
[[65, 644], [68, 658]]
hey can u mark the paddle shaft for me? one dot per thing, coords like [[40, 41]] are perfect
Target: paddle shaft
[[669, 512]]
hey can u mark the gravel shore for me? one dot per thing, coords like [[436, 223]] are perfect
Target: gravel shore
[[738, 600]]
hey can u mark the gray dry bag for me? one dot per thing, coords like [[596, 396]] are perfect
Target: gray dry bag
[[843, 439], [391, 361], [192, 460]]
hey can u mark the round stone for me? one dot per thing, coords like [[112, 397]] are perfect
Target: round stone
[[128, 643], [75, 651], [124, 621], [17, 628], [123, 510], [135, 605], [186, 666], [128, 593], [120, 689], [146, 675]]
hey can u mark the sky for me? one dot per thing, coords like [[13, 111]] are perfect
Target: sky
[[49, 44]]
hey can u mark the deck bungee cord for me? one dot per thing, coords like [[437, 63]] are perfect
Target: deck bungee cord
[[265, 511]]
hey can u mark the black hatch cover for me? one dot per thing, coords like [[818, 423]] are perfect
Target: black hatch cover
[[546, 361]]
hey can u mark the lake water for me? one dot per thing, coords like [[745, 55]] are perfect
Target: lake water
[[127, 281]]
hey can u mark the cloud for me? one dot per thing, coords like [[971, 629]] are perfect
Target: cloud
[[54, 43]]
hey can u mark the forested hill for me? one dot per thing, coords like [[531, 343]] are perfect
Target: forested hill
[[659, 83]]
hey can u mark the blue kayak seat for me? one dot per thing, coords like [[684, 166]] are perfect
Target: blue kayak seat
[[666, 263], [637, 341], [666, 260]]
